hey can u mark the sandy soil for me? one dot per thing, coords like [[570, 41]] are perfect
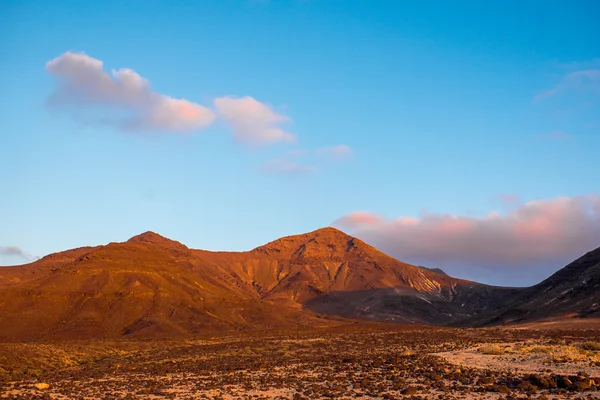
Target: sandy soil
[[529, 357]]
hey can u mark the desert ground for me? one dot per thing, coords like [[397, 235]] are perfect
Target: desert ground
[[553, 360]]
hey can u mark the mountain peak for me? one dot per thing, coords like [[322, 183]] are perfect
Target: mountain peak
[[155, 239], [322, 241], [148, 236], [329, 231]]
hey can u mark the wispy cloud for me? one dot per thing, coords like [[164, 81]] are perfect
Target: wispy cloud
[[16, 251], [337, 152], [127, 99], [286, 167], [297, 161], [581, 81], [542, 233], [253, 122], [508, 199], [555, 136], [579, 65]]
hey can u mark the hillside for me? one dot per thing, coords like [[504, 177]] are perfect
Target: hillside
[[154, 286], [573, 291]]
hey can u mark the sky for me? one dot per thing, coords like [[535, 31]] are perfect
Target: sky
[[460, 135]]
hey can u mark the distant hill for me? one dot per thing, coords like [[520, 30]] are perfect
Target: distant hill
[[573, 291], [153, 286]]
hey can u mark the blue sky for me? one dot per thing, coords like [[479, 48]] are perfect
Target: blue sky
[[301, 114]]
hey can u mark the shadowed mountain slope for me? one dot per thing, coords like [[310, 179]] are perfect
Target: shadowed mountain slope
[[573, 291]]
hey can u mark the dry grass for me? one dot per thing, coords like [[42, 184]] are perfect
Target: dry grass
[[491, 349], [408, 353], [586, 352], [541, 349], [591, 346]]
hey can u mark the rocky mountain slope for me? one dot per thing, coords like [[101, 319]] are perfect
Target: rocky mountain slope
[[573, 291], [153, 286]]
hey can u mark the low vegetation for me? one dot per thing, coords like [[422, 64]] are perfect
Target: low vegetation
[[344, 362], [592, 346], [492, 349]]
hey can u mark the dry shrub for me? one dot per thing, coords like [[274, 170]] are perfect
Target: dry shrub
[[541, 349], [491, 349], [592, 346]]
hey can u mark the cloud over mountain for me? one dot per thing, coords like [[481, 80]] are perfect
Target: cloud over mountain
[[535, 233], [14, 251]]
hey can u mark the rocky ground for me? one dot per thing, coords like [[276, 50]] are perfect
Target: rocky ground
[[350, 362]]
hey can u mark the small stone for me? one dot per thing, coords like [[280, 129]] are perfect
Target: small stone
[[410, 390], [42, 386], [501, 389]]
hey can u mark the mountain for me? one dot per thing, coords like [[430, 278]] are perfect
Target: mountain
[[148, 286], [154, 286], [573, 291]]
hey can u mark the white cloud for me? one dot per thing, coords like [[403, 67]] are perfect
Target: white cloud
[[126, 99], [252, 121]]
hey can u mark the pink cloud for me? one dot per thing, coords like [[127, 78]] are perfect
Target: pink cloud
[[542, 233], [252, 121], [126, 99], [360, 218]]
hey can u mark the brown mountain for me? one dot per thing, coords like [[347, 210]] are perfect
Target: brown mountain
[[153, 286], [148, 286]]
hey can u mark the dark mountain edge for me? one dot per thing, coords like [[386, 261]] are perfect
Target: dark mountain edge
[[573, 291], [153, 286], [436, 270]]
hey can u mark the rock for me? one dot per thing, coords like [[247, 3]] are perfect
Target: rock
[[543, 381], [42, 386], [527, 386], [410, 390], [500, 389], [563, 382], [486, 380], [580, 386]]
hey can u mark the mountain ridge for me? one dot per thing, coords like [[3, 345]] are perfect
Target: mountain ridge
[[150, 286]]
